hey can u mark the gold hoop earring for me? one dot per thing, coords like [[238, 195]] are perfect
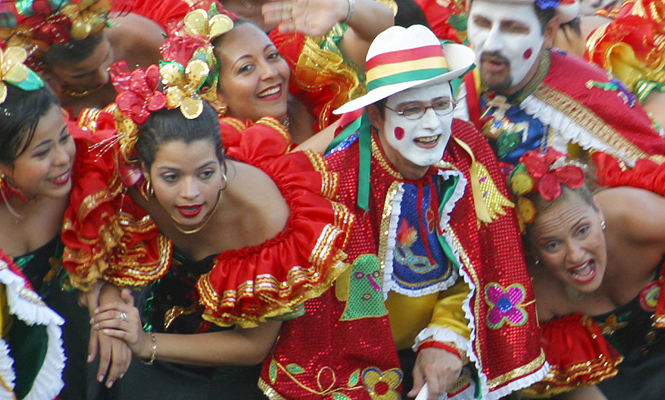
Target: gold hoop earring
[[146, 190], [222, 109]]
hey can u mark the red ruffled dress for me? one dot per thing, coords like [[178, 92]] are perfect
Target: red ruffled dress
[[625, 343], [111, 238]]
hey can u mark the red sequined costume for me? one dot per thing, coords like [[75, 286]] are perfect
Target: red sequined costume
[[343, 347], [632, 46]]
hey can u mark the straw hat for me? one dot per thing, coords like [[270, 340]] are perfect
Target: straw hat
[[402, 58]]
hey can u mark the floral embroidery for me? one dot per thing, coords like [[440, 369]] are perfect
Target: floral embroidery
[[382, 385], [505, 305]]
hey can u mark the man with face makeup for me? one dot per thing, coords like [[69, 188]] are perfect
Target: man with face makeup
[[438, 291], [527, 96]]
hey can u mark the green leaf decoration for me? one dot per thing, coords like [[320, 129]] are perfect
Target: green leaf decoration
[[340, 396], [295, 369], [354, 378], [273, 371]]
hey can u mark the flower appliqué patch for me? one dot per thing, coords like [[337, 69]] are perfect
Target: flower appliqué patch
[[505, 305], [382, 385]]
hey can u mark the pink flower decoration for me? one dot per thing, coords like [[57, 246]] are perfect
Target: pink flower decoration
[[505, 305]]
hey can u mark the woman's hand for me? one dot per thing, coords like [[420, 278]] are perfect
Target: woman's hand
[[114, 355], [121, 320]]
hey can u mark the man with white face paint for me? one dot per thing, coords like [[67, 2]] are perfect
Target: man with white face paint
[[434, 247], [530, 96]]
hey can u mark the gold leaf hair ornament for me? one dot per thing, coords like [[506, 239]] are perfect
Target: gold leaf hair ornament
[[192, 39], [183, 84], [14, 71], [545, 174], [210, 24], [87, 17]]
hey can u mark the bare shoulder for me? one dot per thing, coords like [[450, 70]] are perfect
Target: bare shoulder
[[262, 211], [639, 212], [133, 32]]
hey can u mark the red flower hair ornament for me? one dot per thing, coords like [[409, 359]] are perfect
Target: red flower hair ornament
[[545, 174], [138, 93]]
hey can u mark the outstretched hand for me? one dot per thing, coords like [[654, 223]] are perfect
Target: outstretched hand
[[309, 17]]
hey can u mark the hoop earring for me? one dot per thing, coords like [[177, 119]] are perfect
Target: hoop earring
[[9, 191], [146, 190], [224, 181], [602, 224]]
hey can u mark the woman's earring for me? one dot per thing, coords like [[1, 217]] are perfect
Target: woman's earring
[[602, 224], [536, 262], [221, 109], [146, 190]]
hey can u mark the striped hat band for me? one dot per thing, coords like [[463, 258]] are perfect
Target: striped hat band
[[407, 65]]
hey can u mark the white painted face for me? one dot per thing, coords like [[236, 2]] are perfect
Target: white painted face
[[420, 141], [507, 38]]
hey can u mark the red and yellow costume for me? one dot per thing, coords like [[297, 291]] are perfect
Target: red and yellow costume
[[632, 46], [343, 346]]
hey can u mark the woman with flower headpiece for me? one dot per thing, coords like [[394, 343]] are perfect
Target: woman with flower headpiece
[[251, 233], [39, 167], [296, 78], [596, 260], [72, 43]]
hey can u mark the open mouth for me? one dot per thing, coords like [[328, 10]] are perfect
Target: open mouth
[[61, 179], [190, 211], [427, 142], [584, 272], [271, 93]]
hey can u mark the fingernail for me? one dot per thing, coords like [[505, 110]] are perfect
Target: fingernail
[[89, 357], [121, 375], [96, 310], [100, 378], [109, 384], [92, 321]]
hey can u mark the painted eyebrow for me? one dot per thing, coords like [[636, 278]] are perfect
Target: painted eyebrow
[[206, 165], [268, 46], [48, 141]]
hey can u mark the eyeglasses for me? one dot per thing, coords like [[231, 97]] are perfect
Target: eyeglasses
[[441, 106]]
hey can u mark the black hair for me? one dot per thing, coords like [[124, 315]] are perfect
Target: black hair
[[409, 13], [19, 117], [74, 51], [166, 126], [219, 40], [544, 16]]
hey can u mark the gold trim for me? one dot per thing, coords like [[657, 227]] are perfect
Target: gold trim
[[589, 121]]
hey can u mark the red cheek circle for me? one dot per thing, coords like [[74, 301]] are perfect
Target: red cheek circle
[[399, 133], [528, 53]]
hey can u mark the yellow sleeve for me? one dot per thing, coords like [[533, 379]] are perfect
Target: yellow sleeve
[[448, 311]]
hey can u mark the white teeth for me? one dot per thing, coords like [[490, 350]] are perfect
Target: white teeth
[[270, 92], [427, 139]]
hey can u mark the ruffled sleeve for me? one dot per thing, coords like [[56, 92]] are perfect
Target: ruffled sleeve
[[578, 355], [632, 47], [248, 285], [320, 77], [646, 174], [107, 235]]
